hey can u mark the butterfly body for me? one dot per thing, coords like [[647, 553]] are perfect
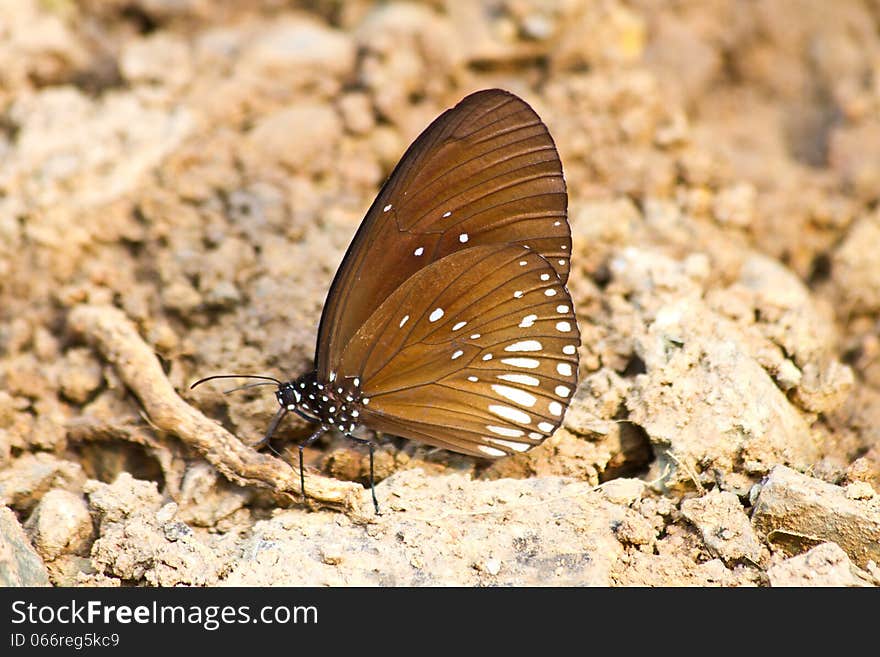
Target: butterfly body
[[448, 321], [332, 404]]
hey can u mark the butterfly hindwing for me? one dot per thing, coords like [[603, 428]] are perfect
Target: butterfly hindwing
[[476, 353]]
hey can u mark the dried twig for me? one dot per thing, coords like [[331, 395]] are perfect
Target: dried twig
[[118, 340]]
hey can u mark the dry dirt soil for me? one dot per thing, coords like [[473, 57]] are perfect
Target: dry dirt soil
[[179, 180]]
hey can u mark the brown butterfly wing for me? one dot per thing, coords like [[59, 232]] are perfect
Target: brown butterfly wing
[[475, 353], [485, 172]]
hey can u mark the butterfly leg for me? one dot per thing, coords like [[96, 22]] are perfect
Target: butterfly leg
[[372, 446], [308, 441], [271, 430]]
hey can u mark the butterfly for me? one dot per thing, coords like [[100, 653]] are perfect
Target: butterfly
[[448, 321]]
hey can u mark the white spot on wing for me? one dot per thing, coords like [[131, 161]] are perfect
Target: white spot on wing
[[404, 320], [437, 314], [545, 277], [562, 309], [563, 391], [457, 354], [475, 336], [386, 208], [523, 263], [487, 357], [534, 435], [459, 325], [555, 408], [515, 395], [528, 321], [509, 413], [504, 431], [419, 251], [524, 345], [564, 369], [447, 214], [546, 427], [549, 292], [519, 447], [524, 379], [528, 363], [491, 451], [569, 349], [332, 377], [463, 238], [473, 379], [518, 294], [563, 327]]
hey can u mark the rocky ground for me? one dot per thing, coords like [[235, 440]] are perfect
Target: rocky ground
[[180, 178]]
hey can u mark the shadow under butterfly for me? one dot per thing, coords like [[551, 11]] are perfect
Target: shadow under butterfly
[[448, 321]]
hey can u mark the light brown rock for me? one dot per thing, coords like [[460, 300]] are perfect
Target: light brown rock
[[724, 526], [31, 476], [19, 563], [793, 510], [441, 530], [825, 565], [140, 540], [60, 524]]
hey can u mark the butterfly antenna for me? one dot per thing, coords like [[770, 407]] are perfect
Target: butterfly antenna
[[248, 385], [236, 376]]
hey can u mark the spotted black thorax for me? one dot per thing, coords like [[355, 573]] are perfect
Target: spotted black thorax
[[332, 404]]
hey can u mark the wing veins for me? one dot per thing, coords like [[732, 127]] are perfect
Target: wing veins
[[506, 300], [507, 221], [483, 154], [490, 110], [492, 370], [511, 129], [514, 183], [433, 301]]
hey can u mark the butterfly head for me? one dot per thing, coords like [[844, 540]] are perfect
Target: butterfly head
[[301, 396], [293, 396], [288, 396]]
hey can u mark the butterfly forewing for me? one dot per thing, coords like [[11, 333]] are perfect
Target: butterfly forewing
[[485, 172], [476, 353]]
